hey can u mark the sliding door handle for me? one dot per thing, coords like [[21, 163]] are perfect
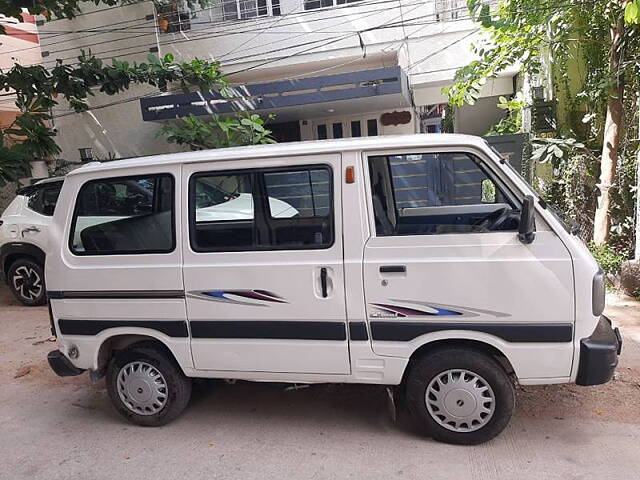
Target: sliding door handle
[[393, 269], [323, 281]]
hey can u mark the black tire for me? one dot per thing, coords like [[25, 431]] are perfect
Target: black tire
[[26, 282], [178, 386], [433, 365]]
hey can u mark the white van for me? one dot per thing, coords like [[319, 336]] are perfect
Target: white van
[[423, 262]]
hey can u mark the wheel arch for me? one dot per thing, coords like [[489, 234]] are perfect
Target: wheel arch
[[474, 344], [117, 341], [10, 252]]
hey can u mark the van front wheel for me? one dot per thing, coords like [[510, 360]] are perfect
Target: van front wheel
[[460, 396], [146, 387]]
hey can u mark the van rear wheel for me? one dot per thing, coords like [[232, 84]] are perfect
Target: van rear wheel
[[460, 396], [146, 387]]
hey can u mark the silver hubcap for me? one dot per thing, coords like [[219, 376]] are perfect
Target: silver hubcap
[[142, 388], [460, 400], [27, 283]]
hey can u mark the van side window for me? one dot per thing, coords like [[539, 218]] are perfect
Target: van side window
[[437, 193], [299, 204], [224, 212], [125, 215], [269, 209]]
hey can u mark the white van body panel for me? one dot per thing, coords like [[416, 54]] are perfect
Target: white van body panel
[[489, 278], [497, 291], [114, 273]]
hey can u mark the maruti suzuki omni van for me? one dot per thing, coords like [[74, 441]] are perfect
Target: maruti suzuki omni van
[[422, 262]]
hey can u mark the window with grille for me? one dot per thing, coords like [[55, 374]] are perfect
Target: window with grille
[[314, 4], [246, 9]]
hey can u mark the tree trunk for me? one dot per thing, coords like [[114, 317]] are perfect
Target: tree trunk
[[611, 141]]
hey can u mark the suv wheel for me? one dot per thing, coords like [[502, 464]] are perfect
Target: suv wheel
[[146, 387], [460, 396], [26, 281]]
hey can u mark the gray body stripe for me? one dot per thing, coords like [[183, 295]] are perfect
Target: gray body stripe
[[393, 331]]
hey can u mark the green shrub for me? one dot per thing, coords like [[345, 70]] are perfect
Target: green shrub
[[609, 260]]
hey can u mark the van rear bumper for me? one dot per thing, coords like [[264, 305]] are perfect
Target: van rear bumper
[[61, 365], [599, 354]]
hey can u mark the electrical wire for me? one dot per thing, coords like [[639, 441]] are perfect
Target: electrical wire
[[263, 31], [82, 14], [344, 37], [215, 35], [232, 29], [449, 45]]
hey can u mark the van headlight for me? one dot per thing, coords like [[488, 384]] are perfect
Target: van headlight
[[597, 293]]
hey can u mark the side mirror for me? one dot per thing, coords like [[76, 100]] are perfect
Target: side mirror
[[527, 228]]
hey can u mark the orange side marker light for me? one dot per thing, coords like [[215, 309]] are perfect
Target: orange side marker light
[[349, 175]]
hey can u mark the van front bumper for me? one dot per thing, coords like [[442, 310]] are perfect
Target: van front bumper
[[61, 365], [599, 354]]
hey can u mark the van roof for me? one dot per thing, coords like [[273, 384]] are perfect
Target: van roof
[[290, 149]]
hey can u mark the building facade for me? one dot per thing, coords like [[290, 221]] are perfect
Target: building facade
[[320, 68], [20, 44]]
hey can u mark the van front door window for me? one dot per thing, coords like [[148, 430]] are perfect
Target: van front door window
[[437, 193]]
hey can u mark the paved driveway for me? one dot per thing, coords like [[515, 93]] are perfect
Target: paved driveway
[[55, 428]]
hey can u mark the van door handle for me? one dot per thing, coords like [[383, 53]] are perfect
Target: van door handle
[[393, 269], [323, 281], [32, 228]]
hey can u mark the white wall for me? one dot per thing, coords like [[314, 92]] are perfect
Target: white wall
[[296, 44], [477, 119], [304, 37], [309, 131], [14, 49], [108, 32], [116, 130], [278, 44]]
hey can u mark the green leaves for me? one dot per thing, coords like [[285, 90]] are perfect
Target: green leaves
[[512, 123], [38, 89], [555, 150], [632, 13], [515, 32], [217, 131], [14, 162]]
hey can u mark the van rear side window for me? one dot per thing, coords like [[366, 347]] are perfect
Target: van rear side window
[[125, 215], [270, 209]]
